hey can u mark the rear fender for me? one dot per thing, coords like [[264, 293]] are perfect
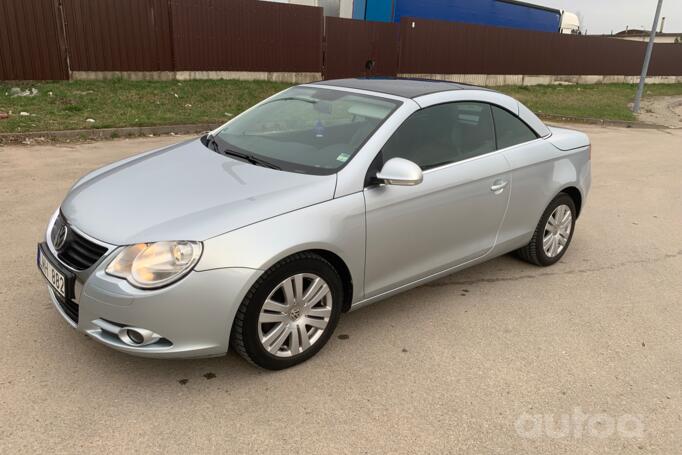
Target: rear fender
[[565, 139]]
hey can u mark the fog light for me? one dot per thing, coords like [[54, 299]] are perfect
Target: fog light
[[135, 336]]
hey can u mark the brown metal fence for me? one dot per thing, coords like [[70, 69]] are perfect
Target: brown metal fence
[[438, 47], [31, 44], [666, 60], [46, 39], [118, 35], [360, 48], [246, 35]]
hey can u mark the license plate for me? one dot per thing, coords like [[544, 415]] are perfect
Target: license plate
[[56, 279]]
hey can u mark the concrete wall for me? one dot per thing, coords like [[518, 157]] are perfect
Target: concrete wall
[[301, 78], [296, 78], [518, 79]]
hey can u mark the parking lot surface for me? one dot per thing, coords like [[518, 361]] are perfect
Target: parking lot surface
[[505, 357]]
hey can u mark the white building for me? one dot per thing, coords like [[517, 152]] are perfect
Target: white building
[[335, 8], [643, 35]]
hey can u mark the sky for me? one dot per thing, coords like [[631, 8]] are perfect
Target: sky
[[605, 16]]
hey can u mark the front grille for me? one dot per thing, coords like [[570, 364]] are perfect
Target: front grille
[[68, 306], [77, 251]]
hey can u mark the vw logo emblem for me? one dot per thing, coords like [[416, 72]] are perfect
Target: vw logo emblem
[[60, 238]]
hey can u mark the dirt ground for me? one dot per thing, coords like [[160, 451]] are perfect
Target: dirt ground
[[505, 357], [662, 110]]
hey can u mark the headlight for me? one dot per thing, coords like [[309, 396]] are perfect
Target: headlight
[[154, 265]]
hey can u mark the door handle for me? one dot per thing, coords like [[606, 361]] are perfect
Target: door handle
[[499, 186]]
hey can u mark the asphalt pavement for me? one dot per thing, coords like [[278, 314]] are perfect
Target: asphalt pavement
[[505, 357]]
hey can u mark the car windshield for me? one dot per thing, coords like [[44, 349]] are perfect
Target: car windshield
[[306, 129]]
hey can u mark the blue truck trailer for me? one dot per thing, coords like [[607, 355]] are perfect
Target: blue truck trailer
[[501, 13]]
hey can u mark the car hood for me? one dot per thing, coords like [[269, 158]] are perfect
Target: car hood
[[185, 192]]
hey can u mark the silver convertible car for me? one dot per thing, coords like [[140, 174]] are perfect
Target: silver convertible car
[[317, 201]]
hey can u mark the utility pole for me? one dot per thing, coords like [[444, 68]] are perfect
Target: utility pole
[[647, 58]]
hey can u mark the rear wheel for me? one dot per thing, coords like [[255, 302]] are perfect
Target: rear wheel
[[553, 233], [290, 313]]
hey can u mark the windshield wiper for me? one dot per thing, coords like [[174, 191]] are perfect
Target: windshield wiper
[[295, 98], [250, 159], [210, 142]]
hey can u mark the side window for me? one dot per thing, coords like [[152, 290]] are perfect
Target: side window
[[510, 129], [443, 134]]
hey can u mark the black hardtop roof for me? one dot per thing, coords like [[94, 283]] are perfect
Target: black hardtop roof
[[407, 88]]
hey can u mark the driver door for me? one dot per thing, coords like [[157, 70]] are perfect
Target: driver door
[[454, 215]]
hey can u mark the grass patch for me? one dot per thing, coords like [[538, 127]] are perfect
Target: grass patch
[[598, 101], [119, 103], [66, 105]]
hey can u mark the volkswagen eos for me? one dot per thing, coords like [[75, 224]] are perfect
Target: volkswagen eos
[[317, 201]]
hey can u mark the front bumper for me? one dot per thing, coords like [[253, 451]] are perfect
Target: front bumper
[[193, 317]]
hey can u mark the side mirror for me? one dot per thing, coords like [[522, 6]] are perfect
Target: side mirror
[[399, 171]]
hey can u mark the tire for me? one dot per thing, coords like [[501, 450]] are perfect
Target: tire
[[258, 329], [535, 252]]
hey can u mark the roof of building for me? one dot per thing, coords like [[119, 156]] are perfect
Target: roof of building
[[638, 32], [407, 88]]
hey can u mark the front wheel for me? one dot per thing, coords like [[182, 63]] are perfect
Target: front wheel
[[290, 313], [553, 233]]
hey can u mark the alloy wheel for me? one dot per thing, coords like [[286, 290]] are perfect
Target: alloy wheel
[[295, 315], [557, 231]]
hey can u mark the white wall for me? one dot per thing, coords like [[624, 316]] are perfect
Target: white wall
[[659, 39], [346, 9], [297, 2], [340, 8]]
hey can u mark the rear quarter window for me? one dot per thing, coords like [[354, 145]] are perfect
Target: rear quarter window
[[510, 130]]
